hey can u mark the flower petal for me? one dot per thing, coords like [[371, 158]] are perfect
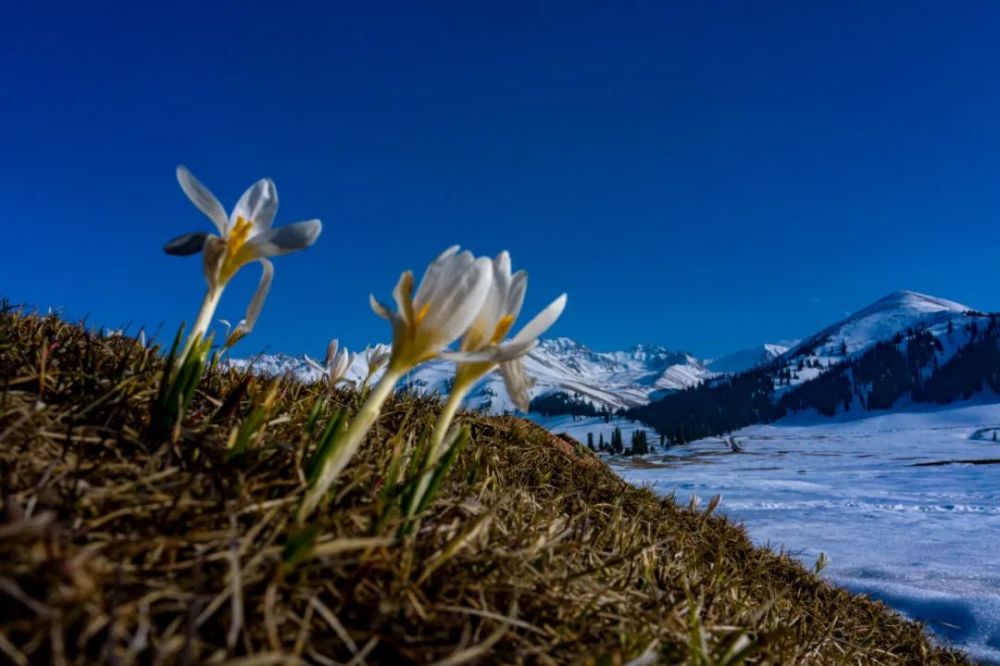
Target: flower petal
[[542, 321], [263, 289], [403, 295], [186, 245], [452, 314], [501, 265], [437, 271], [518, 383], [503, 301], [203, 199], [313, 365], [275, 242], [256, 303], [447, 254], [492, 354], [376, 356], [341, 364], [379, 308], [213, 255], [258, 206], [331, 351], [515, 294]]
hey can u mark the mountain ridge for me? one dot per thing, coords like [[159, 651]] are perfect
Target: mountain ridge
[[904, 345], [643, 373]]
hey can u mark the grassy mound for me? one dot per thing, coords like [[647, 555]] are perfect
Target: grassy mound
[[115, 549]]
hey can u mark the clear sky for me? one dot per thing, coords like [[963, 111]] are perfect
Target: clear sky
[[704, 175]]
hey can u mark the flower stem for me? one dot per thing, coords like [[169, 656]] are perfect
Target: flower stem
[[204, 319], [434, 452], [349, 444], [447, 415]]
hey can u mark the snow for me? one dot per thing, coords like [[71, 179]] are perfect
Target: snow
[[922, 537], [618, 379], [272, 365], [894, 314], [633, 377], [746, 359], [879, 321]]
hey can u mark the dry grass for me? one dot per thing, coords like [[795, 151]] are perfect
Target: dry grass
[[115, 549]]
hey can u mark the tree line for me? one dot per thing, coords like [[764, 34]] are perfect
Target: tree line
[[908, 364]]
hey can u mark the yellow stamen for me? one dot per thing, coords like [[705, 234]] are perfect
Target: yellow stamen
[[423, 313], [502, 327], [238, 235]]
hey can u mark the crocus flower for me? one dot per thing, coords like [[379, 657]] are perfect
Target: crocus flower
[[483, 349], [244, 236], [450, 295], [336, 365], [375, 358]]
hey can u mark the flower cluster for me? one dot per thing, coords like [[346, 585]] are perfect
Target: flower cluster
[[336, 365], [462, 297], [474, 301]]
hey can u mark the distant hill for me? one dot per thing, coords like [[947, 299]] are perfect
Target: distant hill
[[905, 345], [745, 359], [561, 367], [674, 390]]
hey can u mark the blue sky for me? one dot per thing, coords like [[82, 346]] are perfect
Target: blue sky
[[706, 175]]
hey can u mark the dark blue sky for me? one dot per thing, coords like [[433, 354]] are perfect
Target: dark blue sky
[[706, 175]]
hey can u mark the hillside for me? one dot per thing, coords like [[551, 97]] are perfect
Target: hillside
[[881, 320], [118, 549]]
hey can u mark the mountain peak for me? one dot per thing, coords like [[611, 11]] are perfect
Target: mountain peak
[[744, 359], [914, 301], [881, 320], [562, 344]]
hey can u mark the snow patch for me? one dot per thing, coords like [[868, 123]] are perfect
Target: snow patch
[[921, 538]]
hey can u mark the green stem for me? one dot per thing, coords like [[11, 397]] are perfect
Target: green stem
[[350, 443], [434, 451], [458, 393], [204, 319]]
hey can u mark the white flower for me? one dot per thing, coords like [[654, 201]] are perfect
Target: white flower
[[246, 235], [376, 357], [483, 347], [482, 350], [337, 363], [451, 293]]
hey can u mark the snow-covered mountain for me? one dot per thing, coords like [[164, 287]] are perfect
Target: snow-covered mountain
[[744, 359], [881, 320], [636, 376], [889, 316], [614, 380]]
